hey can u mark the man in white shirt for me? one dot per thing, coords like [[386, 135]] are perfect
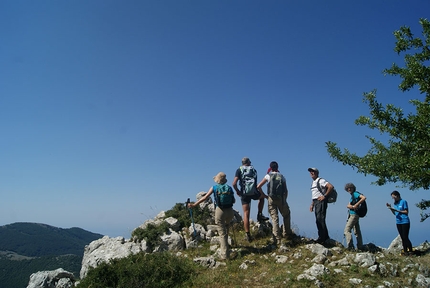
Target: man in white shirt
[[319, 203]]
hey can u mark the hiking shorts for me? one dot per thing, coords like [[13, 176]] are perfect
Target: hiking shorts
[[247, 199]]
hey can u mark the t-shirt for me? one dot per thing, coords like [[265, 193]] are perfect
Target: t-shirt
[[401, 218], [314, 188], [356, 196]]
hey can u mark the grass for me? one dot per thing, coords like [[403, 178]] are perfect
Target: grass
[[171, 270], [179, 270]]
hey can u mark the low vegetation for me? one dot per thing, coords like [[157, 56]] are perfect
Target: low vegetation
[[16, 273], [177, 269], [141, 270]]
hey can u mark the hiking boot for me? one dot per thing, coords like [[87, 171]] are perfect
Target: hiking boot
[[261, 217], [248, 237], [319, 241]]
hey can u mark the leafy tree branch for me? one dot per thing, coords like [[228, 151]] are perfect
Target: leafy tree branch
[[405, 157]]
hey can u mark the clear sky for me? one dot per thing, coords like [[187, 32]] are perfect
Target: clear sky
[[111, 111]]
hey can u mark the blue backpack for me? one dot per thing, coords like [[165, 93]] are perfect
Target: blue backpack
[[224, 196]]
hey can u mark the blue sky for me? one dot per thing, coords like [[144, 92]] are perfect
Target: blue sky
[[111, 111]]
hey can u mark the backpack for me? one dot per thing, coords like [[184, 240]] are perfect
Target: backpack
[[332, 197], [248, 179], [224, 196], [276, 186], [361, 211]]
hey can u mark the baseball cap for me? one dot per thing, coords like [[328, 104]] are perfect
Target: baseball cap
[[313, 170]]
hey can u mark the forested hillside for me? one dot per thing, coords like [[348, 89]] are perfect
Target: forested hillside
[[36, 240], [26, 248]]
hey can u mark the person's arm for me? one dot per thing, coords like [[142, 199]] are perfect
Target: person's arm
[[286, 190], [361, 199], [391, 208], [204, 198], [235, 185], [405, 208], [328, 190], [405, 211], [260, 185]]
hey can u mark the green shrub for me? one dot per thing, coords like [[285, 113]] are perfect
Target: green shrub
[[151, 234], [182, 213], [141, 270]]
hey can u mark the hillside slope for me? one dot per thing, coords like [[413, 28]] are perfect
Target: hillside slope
[[37, 240]]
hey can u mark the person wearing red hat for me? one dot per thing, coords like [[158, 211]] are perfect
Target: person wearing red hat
[[277, 201]]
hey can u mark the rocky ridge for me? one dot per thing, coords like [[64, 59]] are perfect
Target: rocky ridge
[[326, 260]]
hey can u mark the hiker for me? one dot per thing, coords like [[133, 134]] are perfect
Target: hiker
[[246, 175], [401, 211], [224, 212], [277, 193], [320, 190], [353, 217]]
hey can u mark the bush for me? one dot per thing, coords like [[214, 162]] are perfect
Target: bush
[[151, 234], [141, 270], [182, 213]]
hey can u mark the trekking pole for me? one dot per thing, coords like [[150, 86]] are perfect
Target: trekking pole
[[192, 219], [234, 234]]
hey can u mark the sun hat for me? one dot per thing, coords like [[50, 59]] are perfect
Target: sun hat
[[220, 178]]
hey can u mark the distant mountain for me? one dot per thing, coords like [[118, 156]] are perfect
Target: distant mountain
[[27, 248], [37, 240]]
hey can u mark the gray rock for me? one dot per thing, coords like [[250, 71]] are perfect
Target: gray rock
[[174, 223], [422, 281], [396, 246], [281, 258], [365, 259], [318, 249], [355, 281], [208, 262], [319, 259], [317, 270], [59, 278], [105, 249]]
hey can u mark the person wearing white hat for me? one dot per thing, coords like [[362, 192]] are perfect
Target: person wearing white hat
[[319, 203]]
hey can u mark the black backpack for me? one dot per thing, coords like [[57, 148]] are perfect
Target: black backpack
[[332, 197], [224, 196], [361, 211], [276, 186]]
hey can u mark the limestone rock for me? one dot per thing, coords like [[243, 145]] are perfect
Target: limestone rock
[[106, 248], [59, 278]]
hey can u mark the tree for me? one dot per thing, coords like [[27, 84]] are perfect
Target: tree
[[405, 156]]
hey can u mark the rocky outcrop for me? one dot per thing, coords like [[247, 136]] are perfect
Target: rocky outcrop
[[324, 260], [52, 279], [106, 248]]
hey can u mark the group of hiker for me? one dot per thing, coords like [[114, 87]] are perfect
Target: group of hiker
[[322, 192]]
